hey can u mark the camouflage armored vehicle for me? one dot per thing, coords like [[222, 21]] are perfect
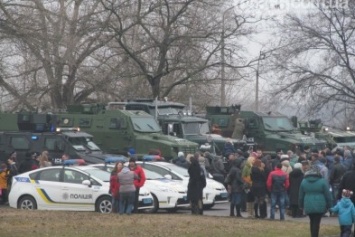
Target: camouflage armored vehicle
[[37, 132], [117, 131], [269, 130], [176, 121], [334, 137]]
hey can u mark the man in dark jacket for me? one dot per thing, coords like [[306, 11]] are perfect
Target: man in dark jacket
[[235, 183], [197, 182], [181, 160], [296, 177], [29, 163], [335, 177]]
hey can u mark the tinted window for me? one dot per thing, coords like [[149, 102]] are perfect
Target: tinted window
[[50, 143], [84, 122], [49, 175], [20, 143]]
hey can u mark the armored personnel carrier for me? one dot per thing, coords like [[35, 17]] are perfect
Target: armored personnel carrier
[[37, 132], [178, 122], [271, 131]]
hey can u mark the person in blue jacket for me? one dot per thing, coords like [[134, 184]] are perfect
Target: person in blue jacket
[[314, 198], [346, 213]]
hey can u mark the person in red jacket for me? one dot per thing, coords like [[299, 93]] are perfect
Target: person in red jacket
[[115, 186], [138, 183], [277, 183]]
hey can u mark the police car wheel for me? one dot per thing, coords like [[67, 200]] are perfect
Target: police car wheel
[[155, 207], [104, 205], [27, 203], [172, 210], [208, 206]]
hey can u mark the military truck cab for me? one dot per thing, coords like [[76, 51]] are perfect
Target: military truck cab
[[39, 132], [271, 131], [117, 130], [176, 121], [334, 137]]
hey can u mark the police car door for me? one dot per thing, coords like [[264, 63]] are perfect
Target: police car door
[[75, 194], [48, 188]]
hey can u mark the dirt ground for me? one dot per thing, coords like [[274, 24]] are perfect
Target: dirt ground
[[15, 222]]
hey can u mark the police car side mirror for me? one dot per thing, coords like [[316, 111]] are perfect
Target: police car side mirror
[[168, 176], [87, 183]]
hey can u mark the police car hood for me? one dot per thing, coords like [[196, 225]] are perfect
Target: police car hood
[[167, 184]]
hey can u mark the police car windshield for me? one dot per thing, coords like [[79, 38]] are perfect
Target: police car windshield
[[83, 143], [179, 170], [152, 175], [145, 124], [277, 124], [100, 174]]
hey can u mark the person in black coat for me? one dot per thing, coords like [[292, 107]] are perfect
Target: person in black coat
[[197, 182], [295, 177], [29, 163], [258, 188]]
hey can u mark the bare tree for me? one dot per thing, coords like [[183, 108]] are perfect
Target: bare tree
[[59, 37], [169, 44], [315, 62]]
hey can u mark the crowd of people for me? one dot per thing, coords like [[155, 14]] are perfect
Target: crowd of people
[[307, 183], [10, 168]]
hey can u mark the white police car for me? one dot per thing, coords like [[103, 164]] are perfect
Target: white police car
[[213, 193], [167, 194], [75, 188]]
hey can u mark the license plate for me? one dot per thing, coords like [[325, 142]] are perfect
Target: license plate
[[224, 195], [147, 200]]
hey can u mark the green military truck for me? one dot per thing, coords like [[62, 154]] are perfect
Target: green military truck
[[27, 132], [334, 137], [117, 131], [176, 121], [271, 131]]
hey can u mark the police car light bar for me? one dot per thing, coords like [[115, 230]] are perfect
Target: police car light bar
[[151, 158], [74, 162], [67, 129], [115, 159]]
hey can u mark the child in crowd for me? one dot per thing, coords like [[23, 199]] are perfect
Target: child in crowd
[[346, 213]]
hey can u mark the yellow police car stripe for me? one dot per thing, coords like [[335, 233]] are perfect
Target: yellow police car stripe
[[42, 193]]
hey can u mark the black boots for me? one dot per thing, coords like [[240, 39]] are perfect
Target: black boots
[[237, 208], [263, 210], [256, 210], [231, 210]]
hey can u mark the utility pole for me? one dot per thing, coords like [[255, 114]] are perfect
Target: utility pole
[[223, 79], [261, 56]]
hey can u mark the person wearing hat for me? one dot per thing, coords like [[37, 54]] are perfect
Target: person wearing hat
[[181, 160], [139, 182], [314, 197], [346, 213]]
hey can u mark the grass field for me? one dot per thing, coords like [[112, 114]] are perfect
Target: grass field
[[79, 224]]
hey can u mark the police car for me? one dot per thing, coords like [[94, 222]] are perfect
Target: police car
[[167, 194], [213, 193], [75, 188]]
